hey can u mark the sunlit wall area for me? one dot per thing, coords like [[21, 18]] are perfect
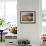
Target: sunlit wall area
[[11, 11], [43, 4], [8, 10], [44, 16], [1, 8]]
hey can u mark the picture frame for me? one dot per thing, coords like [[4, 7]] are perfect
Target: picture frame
[[27, 17]]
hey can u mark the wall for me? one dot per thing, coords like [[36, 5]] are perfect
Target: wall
[[30, 31]]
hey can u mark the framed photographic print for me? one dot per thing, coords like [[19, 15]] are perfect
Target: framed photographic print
[[27, 17]]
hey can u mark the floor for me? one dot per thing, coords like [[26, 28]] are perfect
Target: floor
[[2, 43]]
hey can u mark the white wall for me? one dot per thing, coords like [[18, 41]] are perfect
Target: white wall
[[30, 31]]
